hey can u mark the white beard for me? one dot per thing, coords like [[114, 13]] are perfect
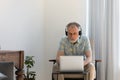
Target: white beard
[[73, 41]]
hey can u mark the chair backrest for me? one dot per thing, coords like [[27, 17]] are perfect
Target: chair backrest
[[93, 50]]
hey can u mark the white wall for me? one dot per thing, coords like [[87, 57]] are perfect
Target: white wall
[[36, 27], [21, 28], [57, 14]]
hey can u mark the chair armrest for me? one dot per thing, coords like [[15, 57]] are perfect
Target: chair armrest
[[98, 60], [52, 60]]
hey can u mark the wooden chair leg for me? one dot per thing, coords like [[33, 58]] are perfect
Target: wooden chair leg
[[52, 77]]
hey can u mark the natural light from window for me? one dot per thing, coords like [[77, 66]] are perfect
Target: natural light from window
[[87, 14], [119, 33]]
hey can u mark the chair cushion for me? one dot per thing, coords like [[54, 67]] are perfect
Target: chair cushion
[[2, 76], [7, 68]]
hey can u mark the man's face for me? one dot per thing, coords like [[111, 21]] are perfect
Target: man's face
[[73, 33]]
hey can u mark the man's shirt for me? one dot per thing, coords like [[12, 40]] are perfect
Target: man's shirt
[[77, 48]]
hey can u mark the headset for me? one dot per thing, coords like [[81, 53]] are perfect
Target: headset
[[73, 23]]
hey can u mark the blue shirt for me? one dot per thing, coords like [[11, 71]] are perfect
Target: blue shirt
[[77, 48]]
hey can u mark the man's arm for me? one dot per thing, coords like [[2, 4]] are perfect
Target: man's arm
[[88, 59], [59, 53]]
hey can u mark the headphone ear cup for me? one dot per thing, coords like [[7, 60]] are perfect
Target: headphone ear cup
[[66, 33], [80, 33]]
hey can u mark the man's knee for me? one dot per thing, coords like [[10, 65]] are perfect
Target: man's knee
[[90, 67]]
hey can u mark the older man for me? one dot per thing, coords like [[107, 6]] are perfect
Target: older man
[[74, 43]]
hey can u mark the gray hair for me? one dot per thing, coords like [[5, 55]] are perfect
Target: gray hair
[[73, 23]]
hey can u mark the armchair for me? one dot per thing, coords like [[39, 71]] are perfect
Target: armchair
[[83, 75], [14, 57]]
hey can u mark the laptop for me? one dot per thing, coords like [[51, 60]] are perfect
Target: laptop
[[71, 64]]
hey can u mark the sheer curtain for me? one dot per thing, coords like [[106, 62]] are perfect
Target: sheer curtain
[[103, 23]]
